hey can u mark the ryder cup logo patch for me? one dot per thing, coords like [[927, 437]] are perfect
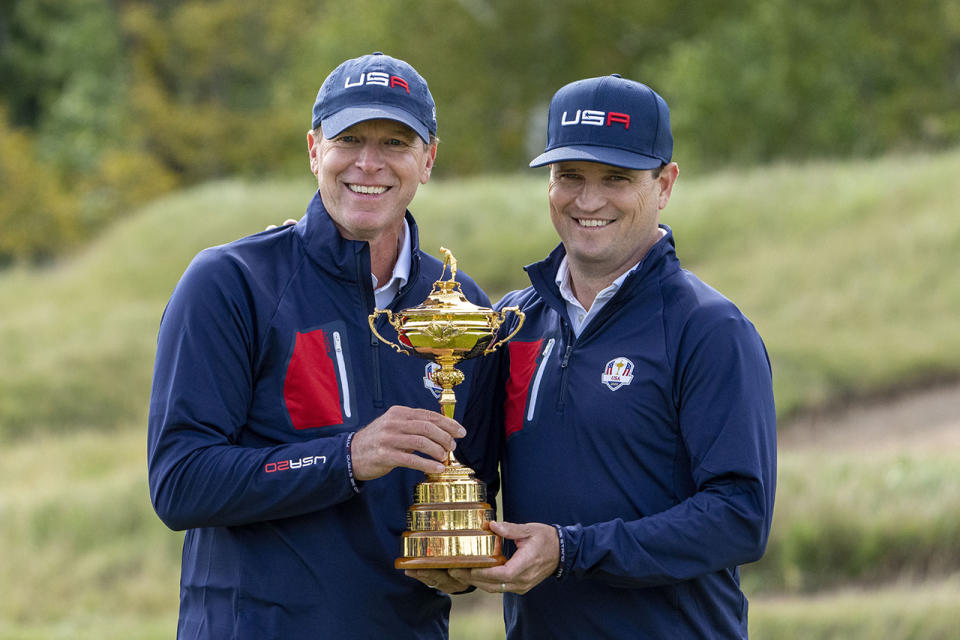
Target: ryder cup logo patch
[[428, 382], [617, 373]]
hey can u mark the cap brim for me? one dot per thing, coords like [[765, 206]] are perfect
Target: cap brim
[[604, 155], [345, 118]]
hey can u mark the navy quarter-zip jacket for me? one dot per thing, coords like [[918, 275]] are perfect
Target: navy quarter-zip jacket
[[650, 440], [265, 368]]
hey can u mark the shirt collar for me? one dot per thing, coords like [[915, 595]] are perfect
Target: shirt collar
[[566, 288], [401, 270]]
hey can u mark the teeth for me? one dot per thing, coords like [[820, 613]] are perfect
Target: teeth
[[361, 188], [592, 223]]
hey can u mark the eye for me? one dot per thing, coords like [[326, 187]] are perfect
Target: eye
[[348, 139]]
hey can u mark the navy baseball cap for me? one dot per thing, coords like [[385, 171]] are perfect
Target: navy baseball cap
[[610, 120], [371, 87]]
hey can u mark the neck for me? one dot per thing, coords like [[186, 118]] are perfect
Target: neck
[[383, 256], [588, 279], [586, 288]]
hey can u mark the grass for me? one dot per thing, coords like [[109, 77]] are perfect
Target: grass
[[846, 269], [902, 611], [843, 519], [843, 267], [80, 535], [91, 559]]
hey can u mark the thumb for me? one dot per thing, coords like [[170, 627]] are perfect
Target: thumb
[[509, 530]]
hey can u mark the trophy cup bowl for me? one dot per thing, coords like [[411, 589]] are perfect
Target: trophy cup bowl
[[448, 523]]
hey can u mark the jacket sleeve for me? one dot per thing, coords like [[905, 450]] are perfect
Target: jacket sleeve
[[202, 387], [724, 398], [481, 448]]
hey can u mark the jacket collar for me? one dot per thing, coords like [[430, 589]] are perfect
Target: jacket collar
[[543, 273], [345, 259]]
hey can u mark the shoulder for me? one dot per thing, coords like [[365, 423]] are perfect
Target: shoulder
[[693, 311], [522, 298], [257, 262]]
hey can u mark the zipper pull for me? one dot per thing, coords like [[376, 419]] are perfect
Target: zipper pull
[[566, 357], [548, 348], [336, 342]]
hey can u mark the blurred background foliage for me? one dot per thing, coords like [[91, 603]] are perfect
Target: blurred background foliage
[[105, 104], [819, 149]]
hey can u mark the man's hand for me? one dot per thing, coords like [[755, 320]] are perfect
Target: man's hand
[[286, 222], [438, 579], [393, 440], [537, 556]]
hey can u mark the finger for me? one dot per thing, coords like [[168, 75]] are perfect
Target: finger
[[422, 435], [372, 458], [431, 424], [449, 425], [429, 577], [415, 462], [409, 443], [462, 575], [509, 530], [473, 577], [437, 579]]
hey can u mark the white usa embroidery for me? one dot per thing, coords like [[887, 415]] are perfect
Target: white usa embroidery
[[617, 373]]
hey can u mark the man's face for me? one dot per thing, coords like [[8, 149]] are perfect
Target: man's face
[[607, 216], [368, 174]]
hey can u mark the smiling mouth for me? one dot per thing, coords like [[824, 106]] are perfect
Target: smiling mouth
[[367, 189], [584, 222]]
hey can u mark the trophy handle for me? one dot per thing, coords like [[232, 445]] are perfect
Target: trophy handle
[[503, 312], [373, 317]]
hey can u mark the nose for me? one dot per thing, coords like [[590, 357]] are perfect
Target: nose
[[590, 197], [370, 157]]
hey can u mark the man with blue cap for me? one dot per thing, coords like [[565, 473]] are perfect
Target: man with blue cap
[[283, 437], [638, 439]]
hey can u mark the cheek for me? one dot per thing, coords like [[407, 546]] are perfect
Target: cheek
[[557, 198]]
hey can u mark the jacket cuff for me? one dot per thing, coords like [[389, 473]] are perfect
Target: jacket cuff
[[561, 565], [353, 481], [570, 538]]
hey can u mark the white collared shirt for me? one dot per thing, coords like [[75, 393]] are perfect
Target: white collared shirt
[[580, 317], [384, 295]]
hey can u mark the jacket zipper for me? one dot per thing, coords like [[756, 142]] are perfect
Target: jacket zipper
[[344, 385], [563, 376], [367, 291], [538, 378]]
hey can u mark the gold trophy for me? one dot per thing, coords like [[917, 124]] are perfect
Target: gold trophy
[[448, 524]]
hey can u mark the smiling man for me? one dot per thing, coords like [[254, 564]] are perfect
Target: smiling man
[[283, 437], [638, 439]]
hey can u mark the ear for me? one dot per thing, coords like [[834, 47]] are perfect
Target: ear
[[313, 148], [666, 179], [428, 165]]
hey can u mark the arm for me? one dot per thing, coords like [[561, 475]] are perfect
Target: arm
[[727, 421], [203, 383]]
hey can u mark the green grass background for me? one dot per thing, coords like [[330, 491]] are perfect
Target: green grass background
[[847, 269]]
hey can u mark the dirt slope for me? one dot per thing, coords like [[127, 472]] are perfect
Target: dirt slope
[[927, 418]]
